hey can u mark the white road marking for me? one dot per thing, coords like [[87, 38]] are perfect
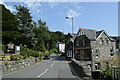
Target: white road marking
[[51, 65], [45, 70], [43, 73]]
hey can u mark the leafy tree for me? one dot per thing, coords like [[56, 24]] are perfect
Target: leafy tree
[[9, 21], [42, 34], [9, 27], [43, 47], [26, 26], [11, 36]]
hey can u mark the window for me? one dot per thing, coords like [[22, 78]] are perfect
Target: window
[[83, 42], [77, 43], [107, 42], [81, 33], [97, 53], [89, 66], [97, 66], [111, 52], [101, 41]]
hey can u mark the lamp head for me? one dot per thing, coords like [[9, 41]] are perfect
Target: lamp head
[[67, 17]]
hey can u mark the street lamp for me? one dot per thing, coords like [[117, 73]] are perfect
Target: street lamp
[[67, 17]]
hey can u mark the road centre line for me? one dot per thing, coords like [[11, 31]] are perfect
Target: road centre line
[[45, 71], [51, 65]]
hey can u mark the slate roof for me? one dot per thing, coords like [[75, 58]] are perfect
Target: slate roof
[[60, 42], [71, 39], [91, 34], [72, 34]]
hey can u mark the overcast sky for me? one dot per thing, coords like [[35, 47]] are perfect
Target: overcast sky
[[91, 15]]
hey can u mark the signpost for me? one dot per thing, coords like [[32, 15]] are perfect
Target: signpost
[[17, 49]]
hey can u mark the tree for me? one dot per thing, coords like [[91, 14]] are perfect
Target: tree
[[9, 27], [43, 46], [42, 34], [26, 26]]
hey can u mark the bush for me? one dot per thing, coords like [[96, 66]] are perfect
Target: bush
[[35, 54], [28, 52], [108, 72], [16, 57], [24, 53], [53, 51]]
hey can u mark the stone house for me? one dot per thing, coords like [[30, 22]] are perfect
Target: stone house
[[94, 49]]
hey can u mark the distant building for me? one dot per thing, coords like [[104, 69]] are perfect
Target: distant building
[[61, 46]]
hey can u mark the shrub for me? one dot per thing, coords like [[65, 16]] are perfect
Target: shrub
[[55, 50], [24, 52], [16, 57], [35, 54], [51, 51]]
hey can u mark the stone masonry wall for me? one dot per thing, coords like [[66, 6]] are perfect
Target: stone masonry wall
[[104, 52], [11, 66]]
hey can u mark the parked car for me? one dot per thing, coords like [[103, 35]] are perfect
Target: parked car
[[46, 57]]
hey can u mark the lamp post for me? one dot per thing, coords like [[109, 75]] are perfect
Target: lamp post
[[72, 32]]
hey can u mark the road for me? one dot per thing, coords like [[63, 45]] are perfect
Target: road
[[56, 67]]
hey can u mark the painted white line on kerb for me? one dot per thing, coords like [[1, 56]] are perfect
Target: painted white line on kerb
[[42, 73]]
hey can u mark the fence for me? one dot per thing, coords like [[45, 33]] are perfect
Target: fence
[[115, 73]]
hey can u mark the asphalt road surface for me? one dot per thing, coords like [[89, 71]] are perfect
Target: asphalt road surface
[[56, 67]]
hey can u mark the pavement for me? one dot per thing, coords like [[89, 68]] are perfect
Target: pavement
[[56, 67]]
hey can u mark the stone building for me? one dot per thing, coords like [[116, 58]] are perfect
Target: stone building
[[95, 49]]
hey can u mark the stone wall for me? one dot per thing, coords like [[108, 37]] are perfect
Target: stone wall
[[104, 53], [82, 65], [12, 66]]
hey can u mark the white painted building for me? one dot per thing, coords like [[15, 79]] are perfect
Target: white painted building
[[61, 46]]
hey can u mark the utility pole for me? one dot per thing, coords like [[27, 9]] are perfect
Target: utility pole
[[72, 33]]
